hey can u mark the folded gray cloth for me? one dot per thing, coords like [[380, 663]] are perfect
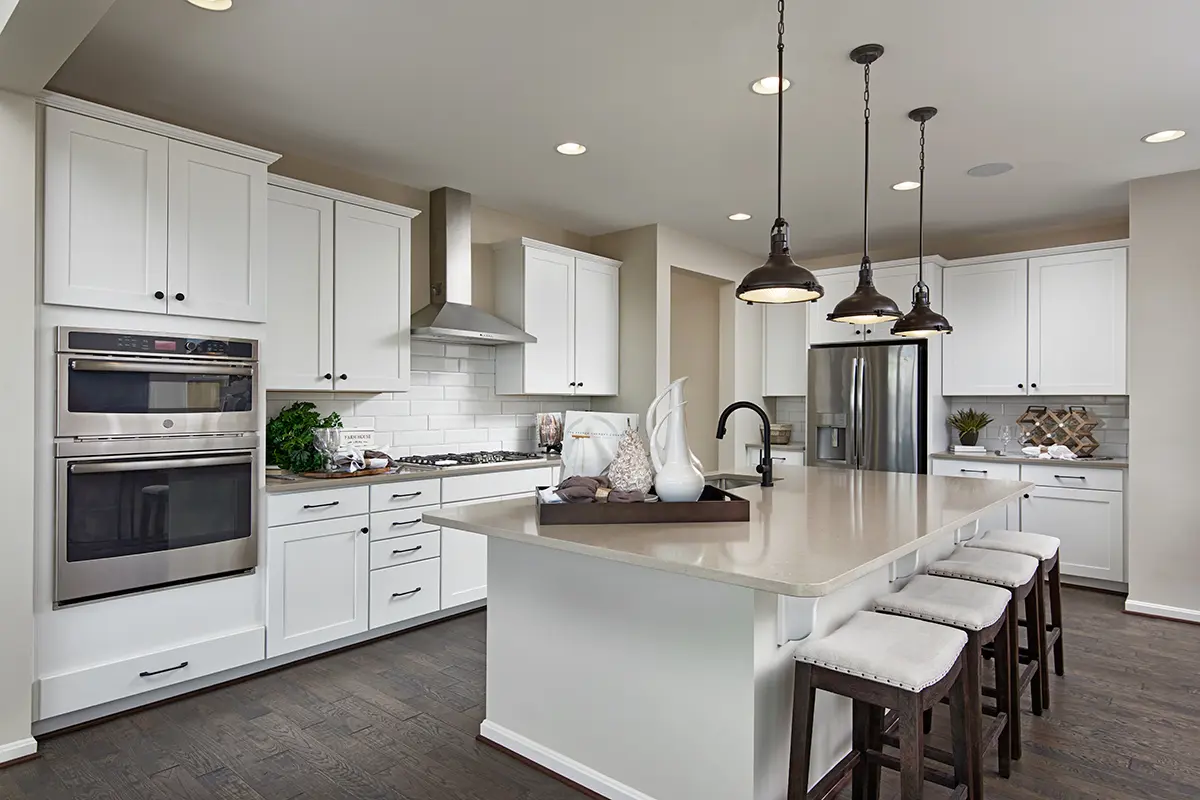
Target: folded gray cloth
[[582, 489]]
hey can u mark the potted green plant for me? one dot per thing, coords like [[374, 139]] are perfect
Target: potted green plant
[[969, 422], [290, 437]]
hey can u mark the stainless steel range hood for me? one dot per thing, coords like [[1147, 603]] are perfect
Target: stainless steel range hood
[[449, 316]]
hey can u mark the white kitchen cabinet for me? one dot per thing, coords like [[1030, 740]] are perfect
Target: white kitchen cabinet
[[897, 283], [145, 216], [569, 301], [1004, 518], [105, 227], [1089, 523], [986, 353], [785, 349], [216, 234], [838, 285], [317, 579], [1077, 323], [297, 345]]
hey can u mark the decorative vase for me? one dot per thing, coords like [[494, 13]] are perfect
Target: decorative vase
[[969, 438], [631, 470], [673, 394], [677, 479]]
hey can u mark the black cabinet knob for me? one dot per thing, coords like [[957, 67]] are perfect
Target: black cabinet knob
[[368, 530], [342, 377], [1033, 386], [1020, 386], [1026, 497], [328, 376], [868, 330], [159, 295], [572, 383], [179, 295], [580, 384], [858, 333]]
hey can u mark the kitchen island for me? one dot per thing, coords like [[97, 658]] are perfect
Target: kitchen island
[[654, 661]]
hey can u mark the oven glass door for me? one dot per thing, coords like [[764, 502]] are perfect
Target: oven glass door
[[100, 396], [127, 523]]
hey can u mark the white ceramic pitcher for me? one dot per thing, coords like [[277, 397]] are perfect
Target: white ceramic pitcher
[[673, 394], [676, 479]]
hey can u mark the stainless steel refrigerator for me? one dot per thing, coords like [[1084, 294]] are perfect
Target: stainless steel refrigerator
[[867, 406]]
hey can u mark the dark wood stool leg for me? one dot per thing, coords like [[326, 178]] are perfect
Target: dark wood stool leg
[[874, 744], [912, 747], [973, 687], [1032, 618], [1056, 615], [802, 726], [1014, 677], [963, 718], [1043, 660], [861, 738], [1004, 702], [927, 721]]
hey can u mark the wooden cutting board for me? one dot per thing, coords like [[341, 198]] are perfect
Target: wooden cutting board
[[360, 474]]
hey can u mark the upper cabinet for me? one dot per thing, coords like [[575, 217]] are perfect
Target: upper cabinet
[[837, 285], [569, 301], [1048, 325], [785, 349], [340, 278], [144, 216]]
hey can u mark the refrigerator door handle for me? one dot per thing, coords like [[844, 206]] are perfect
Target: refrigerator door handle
[[852, 422]]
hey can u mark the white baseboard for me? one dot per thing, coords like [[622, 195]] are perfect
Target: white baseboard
[[18, 749], [559, 764], [1166, 612]]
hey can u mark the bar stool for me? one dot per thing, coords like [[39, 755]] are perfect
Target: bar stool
[[1045, 549], [980, 611], [1019, 575], [881, 661]]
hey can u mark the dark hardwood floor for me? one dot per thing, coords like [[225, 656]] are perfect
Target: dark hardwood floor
[[397, 719]]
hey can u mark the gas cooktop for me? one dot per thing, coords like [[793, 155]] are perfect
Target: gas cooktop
[[445, 460]]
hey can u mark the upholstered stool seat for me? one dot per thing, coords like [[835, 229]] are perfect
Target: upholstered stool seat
[[946, 601], [1009, 570], [1037, 545]]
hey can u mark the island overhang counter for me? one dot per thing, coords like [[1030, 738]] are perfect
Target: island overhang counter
[[654, 661]]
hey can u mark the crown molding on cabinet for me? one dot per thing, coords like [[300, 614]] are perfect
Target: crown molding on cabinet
[[555, 248], [1045, 251], [90, 109], [284, 182]]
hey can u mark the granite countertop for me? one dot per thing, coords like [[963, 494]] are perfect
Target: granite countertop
[[1112, 463], [812, 533], [284, 485]]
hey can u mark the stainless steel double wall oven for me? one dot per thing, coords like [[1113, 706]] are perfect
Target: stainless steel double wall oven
[[155, 451]]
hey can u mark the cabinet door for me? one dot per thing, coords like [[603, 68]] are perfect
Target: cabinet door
[[1089, 523], [785, 349], [216, 235], [371, 303], [297, 346], [464, 560], [597, 314], [986, 304], [821, 330], [105, 212], [1005, 518], [896, 283], [549, 316], [317, 576], [1077, 323]]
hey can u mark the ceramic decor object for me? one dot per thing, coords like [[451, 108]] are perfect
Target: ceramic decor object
[[632, 470], [677, 479], [673, 395]]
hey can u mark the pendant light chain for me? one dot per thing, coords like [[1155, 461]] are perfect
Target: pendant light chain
[[866, 150], [921, 213], [779, 141]]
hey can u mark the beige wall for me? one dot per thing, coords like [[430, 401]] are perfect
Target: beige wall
[[1164, 513], [18, 146], [487, 225], [696, 353]]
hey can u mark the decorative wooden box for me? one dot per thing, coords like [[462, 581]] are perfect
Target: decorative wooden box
[[1071, 427], [714, 505]]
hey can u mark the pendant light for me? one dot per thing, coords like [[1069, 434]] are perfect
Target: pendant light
[[866, 306], [922, 322], [780, 279]]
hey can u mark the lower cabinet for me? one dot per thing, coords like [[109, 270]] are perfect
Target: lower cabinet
[[1090, 524], [464, 567], [405, 591], [316, 582], [1005, 518]]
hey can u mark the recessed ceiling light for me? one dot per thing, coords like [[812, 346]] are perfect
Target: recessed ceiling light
[[989, 170], [1163, 136], [906, 186], [571, 149], [739, 217], [213, 5], [769, 85]]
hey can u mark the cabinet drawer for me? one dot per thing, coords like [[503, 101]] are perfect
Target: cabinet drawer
[[404, 592], [288, 509], [494, 484], [404, 549], [402, 522], [406, 494], [1069, 476], [104, 683], [976, 469]]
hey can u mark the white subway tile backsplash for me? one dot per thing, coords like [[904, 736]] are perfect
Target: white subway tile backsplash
[[405, 423], [420, 348], [479, 406], [496, 421], [458, 351], [381, 408], [445, 422], [476, 365], [430, 407], [524, 407], [467, 393], [483, 379], [1112, 411], [450, 378], [468, 435], [412, 438], [426, 393], [419, 378], [434, 364], [507, 433]]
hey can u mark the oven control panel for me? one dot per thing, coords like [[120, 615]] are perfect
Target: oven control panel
[[118, 342]]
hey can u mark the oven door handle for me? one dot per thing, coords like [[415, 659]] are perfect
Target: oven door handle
[[158, 463], [101, 365]]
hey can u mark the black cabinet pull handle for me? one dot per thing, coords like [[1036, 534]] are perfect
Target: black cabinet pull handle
[[322, 505], [179, 295], [404, 524], [159, 296], [409, 593], [342, 377], [328, 376], [980, 471], [406, 552], [161, 671], [405, 496], [1071, 477], [364, 530]]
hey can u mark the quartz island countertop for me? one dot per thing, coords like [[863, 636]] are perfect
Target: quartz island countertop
[[815, 531], [1017, 458]]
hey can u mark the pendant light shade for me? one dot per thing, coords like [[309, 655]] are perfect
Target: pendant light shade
[[922, 321], [867, 305], [780, 279]]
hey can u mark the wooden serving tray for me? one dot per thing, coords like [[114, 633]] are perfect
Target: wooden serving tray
[[360, 474], [714, 505]]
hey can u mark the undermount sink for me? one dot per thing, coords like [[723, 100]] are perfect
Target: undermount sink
[[727, 482]]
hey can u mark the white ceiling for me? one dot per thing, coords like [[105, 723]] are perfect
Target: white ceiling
[[476, 94]]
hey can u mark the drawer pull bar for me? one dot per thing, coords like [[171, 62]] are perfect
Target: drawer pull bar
[[406, 552], [409, 593], [404, 524], [161, 671], [405, 496], [980, 471], [1071, 477], [321, 505]]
